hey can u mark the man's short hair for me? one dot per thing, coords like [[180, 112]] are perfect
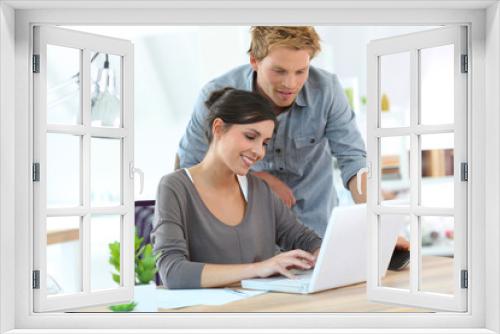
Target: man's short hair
[[264, 38]]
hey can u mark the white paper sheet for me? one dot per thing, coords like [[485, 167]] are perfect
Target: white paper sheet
[[150, 299]]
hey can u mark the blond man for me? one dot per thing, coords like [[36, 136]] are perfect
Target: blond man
[[315, 123]]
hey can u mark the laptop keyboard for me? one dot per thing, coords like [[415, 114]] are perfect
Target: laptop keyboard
[[301, 273], [301, 276]]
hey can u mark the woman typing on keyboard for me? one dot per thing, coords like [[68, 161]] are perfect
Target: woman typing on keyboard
[[215, 223]]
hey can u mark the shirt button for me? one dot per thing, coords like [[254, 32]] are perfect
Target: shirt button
[[278, 150], [312, 141]]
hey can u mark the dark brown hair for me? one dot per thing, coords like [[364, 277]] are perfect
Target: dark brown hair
[[236, 106]]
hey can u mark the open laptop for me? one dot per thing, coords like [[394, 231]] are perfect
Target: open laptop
[[342, 259]]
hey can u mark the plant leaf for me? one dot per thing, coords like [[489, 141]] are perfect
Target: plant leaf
[[146, 277], [123, 307], [137, 242], [114, 258], [145, 260], [116, 277]]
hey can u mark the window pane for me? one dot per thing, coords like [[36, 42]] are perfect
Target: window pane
[[390, 228], [105, 172], [63, 85], [437, 252], [105, 90], [437, 188], [394, 170], [104, 231], [437, 85], [394, 95], [63, 170], [63, 255]]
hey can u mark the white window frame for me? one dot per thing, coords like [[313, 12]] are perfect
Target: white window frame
[[16, 19], [412, 44], [86, 43]]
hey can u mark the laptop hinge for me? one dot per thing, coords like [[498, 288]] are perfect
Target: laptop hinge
[[464, 279]]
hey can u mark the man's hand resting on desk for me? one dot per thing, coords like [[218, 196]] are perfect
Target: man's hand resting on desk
[[402, 244], [283, 262], [278, 187]]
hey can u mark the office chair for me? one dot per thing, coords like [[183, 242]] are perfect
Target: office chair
[[144, 213]]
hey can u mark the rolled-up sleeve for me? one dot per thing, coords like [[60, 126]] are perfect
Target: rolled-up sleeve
[[345, 140], [169, 242], [194, 143]]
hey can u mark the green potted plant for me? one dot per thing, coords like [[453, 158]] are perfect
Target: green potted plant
[[145, 267]]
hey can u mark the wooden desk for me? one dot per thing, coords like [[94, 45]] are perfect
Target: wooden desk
[[346, 299], [62, 235]]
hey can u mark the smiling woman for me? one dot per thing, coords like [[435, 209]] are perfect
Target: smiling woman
[[202, 241]]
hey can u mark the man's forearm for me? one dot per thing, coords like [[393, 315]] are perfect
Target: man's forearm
[[263, 175], [177, 163], [278, 187]]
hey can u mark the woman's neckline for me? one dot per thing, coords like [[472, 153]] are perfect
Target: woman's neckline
[[242, 181], [205, 208]]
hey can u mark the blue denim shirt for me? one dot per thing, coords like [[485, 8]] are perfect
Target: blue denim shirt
[[319, 124]]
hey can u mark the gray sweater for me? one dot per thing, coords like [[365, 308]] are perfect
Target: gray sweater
[[186, 235]]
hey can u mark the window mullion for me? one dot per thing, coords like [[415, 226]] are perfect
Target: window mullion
[[417, 129], [127, 187], [80, 130], [434, 129], [414, 172], [85, 108], [81, 211], [85, 246]]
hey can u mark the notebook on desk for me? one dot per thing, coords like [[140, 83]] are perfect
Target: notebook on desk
[[342, 259]]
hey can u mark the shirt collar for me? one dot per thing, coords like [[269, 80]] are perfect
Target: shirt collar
[[301, 99]]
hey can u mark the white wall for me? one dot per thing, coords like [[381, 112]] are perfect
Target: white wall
[[167, 82], [492, 213], [7, 167]]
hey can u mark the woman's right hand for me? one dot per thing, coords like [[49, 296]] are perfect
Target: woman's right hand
[[283, 262]]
